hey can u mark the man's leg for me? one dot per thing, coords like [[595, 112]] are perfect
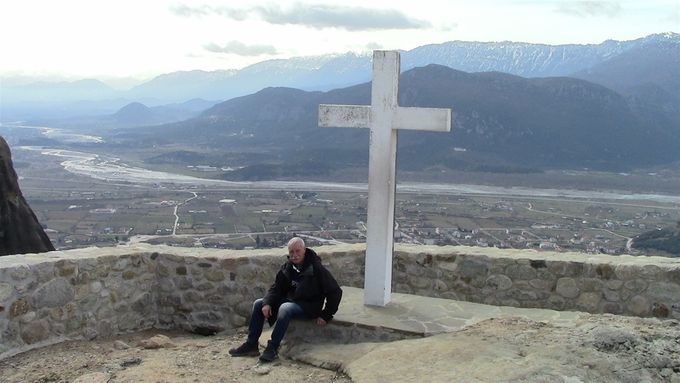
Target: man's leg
[[251, 347], [287, 312], [256, 322]]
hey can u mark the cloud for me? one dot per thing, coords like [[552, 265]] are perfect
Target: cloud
[[186, 11], [318, 16], [590, 8], [206, 10], [321, 16], [241, 49]]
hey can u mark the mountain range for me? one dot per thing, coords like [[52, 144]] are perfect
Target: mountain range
[[502, 122], [653, 55]]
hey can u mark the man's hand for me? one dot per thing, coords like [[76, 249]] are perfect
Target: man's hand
[[320, 321], [266, 311]]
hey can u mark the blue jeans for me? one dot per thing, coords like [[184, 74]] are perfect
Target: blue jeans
[[287, 311]]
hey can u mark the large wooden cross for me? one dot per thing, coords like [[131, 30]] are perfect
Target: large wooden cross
[[384, 116]]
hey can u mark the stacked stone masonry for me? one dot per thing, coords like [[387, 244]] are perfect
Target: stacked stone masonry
[[88, 293]]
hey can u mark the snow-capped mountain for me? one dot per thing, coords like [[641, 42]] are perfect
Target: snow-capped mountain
[[605, 63]]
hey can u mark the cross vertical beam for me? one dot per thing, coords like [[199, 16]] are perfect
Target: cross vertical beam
[[382, 161], [383, 117]]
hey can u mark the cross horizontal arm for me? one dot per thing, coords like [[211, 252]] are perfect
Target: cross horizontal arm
[[434, 119], [344, 116]]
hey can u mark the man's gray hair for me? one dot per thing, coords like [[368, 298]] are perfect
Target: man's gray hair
[[295, 240]]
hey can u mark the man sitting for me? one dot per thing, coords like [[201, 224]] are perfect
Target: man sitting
[[299, 291]]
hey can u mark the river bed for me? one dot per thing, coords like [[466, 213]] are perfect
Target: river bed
[[112, 169]]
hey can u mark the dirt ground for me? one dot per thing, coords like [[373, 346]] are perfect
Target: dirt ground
[[594, 348], [188, 358]]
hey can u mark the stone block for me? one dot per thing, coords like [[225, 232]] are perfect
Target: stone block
[[614, 284], [556, 302], [35, 331], [567, 287], [520, 272], [471, 268], [546, 275], [421, 283], [626, 272], [605, 271], [217, 299], [651, 272], [451, 266], [591, 284], [673, 275], [6, 291], [143, 303], [589, 301], [183, 283], [663, 292], [20, 273], [215, 275], [542, 284], [20, 307], [236, 320], [28, 317], [639, 305], [635, 285], [499, 282], [440, 285], [611, 295], [66, 269], [192, 297], [612, 308], [566, 268], [205, 286], [120, 264], [164, 271], [660, 310]]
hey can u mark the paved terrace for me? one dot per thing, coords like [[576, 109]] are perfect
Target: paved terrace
[[358, 332]]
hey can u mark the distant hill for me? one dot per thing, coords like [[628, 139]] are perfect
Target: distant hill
[[136, 114], [666, 240], [132, 114], [501, 123], [651, 61], [648, 74]]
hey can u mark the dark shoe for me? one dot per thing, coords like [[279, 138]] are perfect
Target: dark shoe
[[246, 349], [270, 353]]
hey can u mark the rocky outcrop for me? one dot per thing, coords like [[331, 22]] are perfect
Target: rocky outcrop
[[20, 231]]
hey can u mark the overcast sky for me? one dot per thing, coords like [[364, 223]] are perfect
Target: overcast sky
[[144, 38]]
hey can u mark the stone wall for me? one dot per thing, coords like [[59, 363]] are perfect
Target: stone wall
[[626, 285], [88, 293]]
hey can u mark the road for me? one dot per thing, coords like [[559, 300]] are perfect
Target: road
[[174, 227]]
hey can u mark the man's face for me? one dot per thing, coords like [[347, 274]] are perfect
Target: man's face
[[296, 254]]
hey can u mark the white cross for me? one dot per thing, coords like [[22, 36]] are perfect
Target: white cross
[[384, 116]]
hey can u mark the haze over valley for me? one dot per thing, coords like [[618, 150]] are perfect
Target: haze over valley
[[556, 146]]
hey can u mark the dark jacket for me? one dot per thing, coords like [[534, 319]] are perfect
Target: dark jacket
[[308, 288]]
